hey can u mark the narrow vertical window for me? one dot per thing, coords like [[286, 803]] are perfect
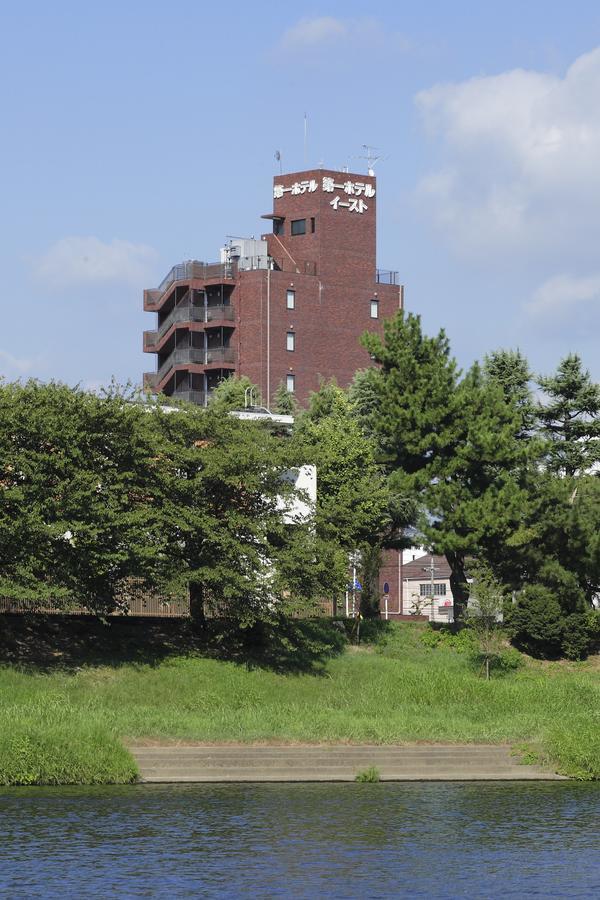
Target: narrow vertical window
[[291, 299], [290, 383], [313, 225], [290, 343], [374, 309]]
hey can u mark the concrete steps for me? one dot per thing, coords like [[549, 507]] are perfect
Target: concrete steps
[[239, 763]]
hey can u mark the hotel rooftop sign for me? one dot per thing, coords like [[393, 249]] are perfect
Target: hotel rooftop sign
[[355, 190]]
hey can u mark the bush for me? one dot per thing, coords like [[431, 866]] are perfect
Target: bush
[[536, 623], [502, 663], [593, 624], [463, 641], [577, 636]]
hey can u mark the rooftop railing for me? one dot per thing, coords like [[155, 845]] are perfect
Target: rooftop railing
[[386, 276], [193, 269]]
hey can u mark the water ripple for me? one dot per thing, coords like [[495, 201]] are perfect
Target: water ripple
[[302, 841]]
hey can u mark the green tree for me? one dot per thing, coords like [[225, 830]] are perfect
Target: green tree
[[485, 613], [78, 507], [363, 396], [536, 622], [353, 502], [225, 532], [510, 369], [233, 392], [449, 445], [284, 401], [570, 418], [557, 549], [476, 496]]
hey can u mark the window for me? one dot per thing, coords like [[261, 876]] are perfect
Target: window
[[277, 226], [291, 299], [313, 225], [290, 341], [374, 309], [298, 226], [290, 383], [439, 590]]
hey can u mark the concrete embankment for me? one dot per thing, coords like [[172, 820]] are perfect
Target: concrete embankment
[[416, 762]]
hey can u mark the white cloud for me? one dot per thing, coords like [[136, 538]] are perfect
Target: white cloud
[[564, 296], [88, 260], [14, 364], [519, 169], [325, 31], [308, 32]]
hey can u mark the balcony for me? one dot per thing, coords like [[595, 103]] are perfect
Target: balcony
[[187, 313], [150, 380], [187, 271], [386, 276], [200, 398], [195, 356]]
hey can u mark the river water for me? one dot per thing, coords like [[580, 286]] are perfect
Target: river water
[[302, 840]]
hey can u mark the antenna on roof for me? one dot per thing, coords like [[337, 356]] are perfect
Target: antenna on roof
[[278, 158], [372, 155], [305, 140]]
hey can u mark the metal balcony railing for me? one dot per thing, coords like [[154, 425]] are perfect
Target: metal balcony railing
[[200, 398], [195, 269], [195, 356], [214, 313], [386, 276], [192, 269], [188, 313], [150, 380]]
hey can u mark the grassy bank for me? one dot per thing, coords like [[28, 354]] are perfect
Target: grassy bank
[[63, 722]]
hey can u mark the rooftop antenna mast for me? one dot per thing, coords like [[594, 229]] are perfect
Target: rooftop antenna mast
[[305, 140], [372, 155], [278, 158]]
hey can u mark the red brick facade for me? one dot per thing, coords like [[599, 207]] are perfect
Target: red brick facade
[[331, 268]]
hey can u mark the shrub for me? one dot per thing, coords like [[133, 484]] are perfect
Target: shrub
[[463, 641], [593, 624], [577, 636], [536, 623], [369, 776]]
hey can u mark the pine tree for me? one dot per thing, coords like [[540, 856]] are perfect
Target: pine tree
[[284, 402], [510, 369], [570, 418], [451, 446]]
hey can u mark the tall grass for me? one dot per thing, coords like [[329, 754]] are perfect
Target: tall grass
[[67, 727]]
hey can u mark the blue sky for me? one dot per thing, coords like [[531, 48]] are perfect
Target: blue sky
[[136, 135]]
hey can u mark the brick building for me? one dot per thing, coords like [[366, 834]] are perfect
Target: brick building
[[287, 308]]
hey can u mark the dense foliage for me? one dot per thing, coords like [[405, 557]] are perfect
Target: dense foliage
[[98, 491], [496, 475]]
